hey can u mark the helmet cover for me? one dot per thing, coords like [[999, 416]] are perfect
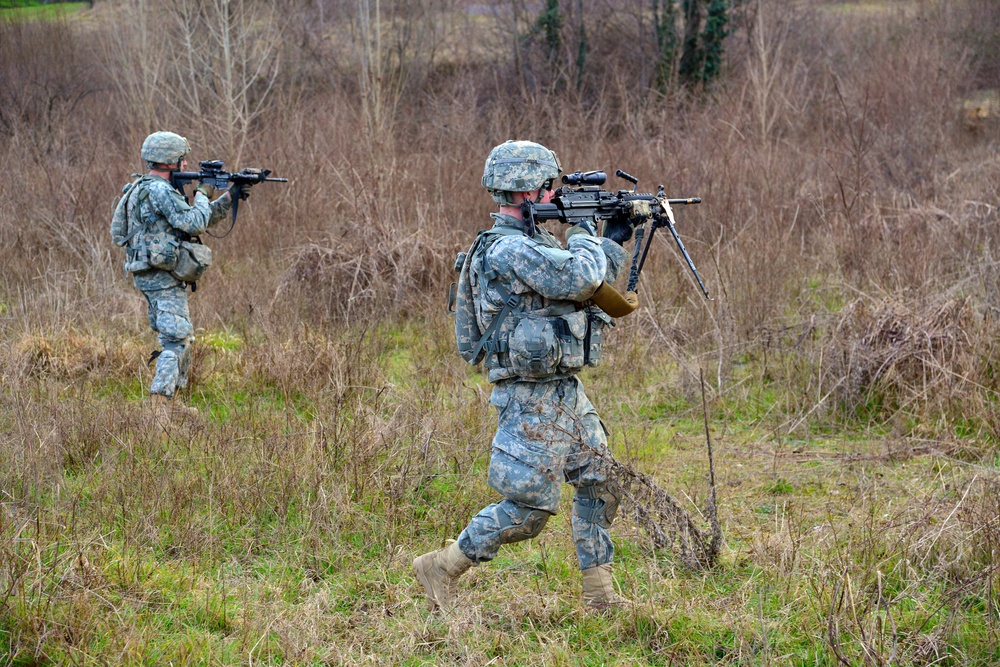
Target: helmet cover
[[165, 148], [518, 166]]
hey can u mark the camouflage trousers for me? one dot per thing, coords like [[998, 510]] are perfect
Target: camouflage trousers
[[169, 317], [549, 433]]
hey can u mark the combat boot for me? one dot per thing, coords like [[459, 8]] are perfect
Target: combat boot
[[438, 571], [599, 589], [165, 410]]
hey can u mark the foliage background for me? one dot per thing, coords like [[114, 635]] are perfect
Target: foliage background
[[847, 157]]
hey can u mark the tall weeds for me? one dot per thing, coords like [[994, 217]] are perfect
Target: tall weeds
[[848, 232]]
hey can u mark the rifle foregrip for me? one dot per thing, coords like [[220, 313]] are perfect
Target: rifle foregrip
[[613, 302]]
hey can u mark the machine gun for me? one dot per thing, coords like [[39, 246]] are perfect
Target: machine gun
[[212, 174], [582, 199]]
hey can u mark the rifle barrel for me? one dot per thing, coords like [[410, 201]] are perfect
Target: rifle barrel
[[689, 200]]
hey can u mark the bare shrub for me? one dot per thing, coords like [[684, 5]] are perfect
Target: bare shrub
[[891, 355], [366, 273], [220, 78]]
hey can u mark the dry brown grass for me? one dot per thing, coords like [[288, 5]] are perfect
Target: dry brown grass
[[849, 231]]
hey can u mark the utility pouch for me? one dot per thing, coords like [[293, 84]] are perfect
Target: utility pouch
[[572, 338], [192, 261], [162, 250], [453, 288], [137, 266], [593, 344], [534, 350]]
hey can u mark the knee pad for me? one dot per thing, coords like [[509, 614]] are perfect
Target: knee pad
[[519, 523], [598, 503], [522, 483]]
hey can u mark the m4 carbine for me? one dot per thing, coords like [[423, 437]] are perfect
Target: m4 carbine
[[213, 174], [582, 199]]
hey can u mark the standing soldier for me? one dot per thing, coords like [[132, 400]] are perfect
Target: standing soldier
[[160, 230], [523, 308]]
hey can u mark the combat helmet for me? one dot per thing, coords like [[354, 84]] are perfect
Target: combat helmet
[[518, 166], [164, 148]]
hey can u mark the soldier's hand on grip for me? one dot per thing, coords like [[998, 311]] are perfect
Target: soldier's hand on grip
[[206, 189], [582, 227], [618, 231], [640, 211]]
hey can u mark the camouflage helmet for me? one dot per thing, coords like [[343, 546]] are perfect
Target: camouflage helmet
[[164, 148], [518, 166]]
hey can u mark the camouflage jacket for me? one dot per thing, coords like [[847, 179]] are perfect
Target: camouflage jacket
[[165, 211], [549, 280]]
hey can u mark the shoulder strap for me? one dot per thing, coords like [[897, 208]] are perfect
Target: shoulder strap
[[489, 275], [139, 191]]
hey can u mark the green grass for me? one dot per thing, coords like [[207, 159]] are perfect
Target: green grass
[[279, 526], [29, 10]]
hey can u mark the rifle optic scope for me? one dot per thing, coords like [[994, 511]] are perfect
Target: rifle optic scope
[[585, 178]]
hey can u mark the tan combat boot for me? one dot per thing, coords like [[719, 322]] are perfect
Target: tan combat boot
[[165, 410], [599, 589], [438, 571]]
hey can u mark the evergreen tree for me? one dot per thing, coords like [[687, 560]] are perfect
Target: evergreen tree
[[665, 24], [716, 30], [549, 24]]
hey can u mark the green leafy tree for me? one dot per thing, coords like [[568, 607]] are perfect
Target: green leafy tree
[[716, 30], [549, 25], [705, 27], [665, 24]]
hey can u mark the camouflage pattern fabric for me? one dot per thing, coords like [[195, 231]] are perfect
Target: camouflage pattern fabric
[[170, 319], [164, 148], [166, 210], [549, 433], [548, 430], [548, 278], [518, 166]]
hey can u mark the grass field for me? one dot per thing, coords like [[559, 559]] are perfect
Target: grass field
[[849, 176], [13, 10]]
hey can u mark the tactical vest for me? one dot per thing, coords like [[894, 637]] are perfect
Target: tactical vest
[[544, 343], [154, 244]]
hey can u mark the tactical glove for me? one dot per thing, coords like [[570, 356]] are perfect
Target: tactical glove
[[640, 210], [618, 231], [245, 187], [206, 189], [584, 227]]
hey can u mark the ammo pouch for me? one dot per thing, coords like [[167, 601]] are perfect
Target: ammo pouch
[[192, 260], [533, 348], [540, 347], [593, 343], [162, 249]]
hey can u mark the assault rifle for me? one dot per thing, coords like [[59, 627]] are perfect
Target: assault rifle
[[212, 173], [581, 198]]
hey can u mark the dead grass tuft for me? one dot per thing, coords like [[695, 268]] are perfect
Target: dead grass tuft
[[895, 354], [353, 277], [69, 355]]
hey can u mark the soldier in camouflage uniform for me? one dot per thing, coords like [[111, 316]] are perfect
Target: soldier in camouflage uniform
[[152, 220], [523, 308]]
